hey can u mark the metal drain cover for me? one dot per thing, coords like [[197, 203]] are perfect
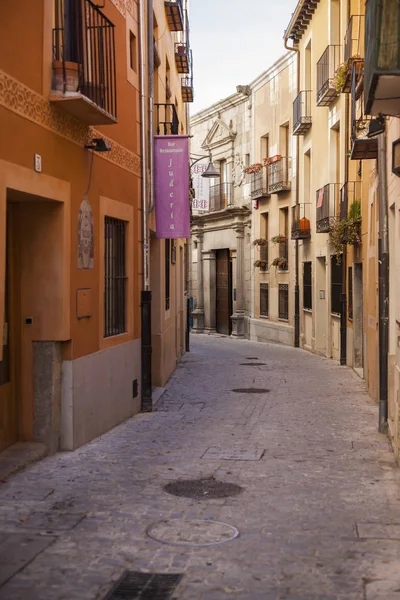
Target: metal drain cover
[[250, 391], [202, 489], [196, 532], [134, 585]]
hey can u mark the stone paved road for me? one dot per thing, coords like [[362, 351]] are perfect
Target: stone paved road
[[318, 517]]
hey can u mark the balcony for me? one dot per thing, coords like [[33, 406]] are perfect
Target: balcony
[[302, 113], [326, 67], [278, 176], [349, 192], [301, 228], [84, 82], [259, 185], [187, 89], [166, 119], [353, 48], [182, 57], [327, 207], [220, 196], [350, 212], [382, 59], [361, 147], [174, 13]]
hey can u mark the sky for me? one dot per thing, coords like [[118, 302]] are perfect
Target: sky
[[234, 41]]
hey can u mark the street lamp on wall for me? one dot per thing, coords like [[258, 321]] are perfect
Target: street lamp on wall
[[211, 172]]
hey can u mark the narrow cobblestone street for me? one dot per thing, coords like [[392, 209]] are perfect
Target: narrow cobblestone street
[[318, 516]]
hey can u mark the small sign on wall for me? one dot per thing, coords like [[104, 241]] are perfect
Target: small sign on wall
[[322, 294], [85, 236], [38, 163]]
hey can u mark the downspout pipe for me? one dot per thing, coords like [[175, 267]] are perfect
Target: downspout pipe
[[150, 54], [296, 282], [343, 295], [145, 300], [383, 261]]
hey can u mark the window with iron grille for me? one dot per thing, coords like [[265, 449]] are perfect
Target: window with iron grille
[[336, 285], [115, 276], [284, 301], [167, 273], [350, 293], [264, 302], [307, 285]]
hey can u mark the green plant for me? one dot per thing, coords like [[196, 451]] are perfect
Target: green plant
[[339, 77], [355, 209], [260, 263], [260, 242], [347, 231], [278, 239], [280, 262]]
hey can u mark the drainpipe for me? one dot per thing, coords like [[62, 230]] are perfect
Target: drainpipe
[[150, 53], [343, 295], [146, 396], [383, 250], [296, 282]]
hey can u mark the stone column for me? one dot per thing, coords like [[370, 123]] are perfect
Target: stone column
[[238, 316], [198, 313], [210, 291]]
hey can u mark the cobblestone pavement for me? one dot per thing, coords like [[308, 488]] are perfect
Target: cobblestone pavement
[[318, 516]]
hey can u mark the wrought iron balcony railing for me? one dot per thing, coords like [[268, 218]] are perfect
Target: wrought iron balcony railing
[[278, 176], [301, 227], [302, 113], [187, 89], [84, 62], [182, 57], [327, 207], [326, 67], [259, 185], [166, 121], [220, 196], [174, 13], [382, 57], [353, 47], [361, 147]]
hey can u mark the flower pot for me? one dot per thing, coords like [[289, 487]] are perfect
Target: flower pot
[[71, 76], [304, 225]]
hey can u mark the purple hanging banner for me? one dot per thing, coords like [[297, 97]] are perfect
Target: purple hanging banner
[[171, 186]]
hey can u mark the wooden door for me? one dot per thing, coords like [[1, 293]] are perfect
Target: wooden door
[[223, 292], [8, 409]]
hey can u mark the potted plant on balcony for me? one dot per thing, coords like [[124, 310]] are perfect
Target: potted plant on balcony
[[278, 239], [71, 72], [255, 168], [260, 242], [260, 263], [280, 262], [339, 77]]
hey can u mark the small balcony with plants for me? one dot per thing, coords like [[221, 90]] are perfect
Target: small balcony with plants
[[220, 196], [301, 226], [166, 119], [261, 244], [174, 14], [258, 181], [326, 68], [84, 69], [382, 57], [327, 207], [302, 120], [281, 262], [362, 147], [353, 52], [347, 228], [277, 174]]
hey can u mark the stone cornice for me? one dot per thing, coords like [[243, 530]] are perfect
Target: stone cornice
[[25, 102], [229, 216]]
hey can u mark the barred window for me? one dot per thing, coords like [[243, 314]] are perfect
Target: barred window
[[115, 276], [264, 301], [284, 301], [307, 285], [167, 273], [336, 285]]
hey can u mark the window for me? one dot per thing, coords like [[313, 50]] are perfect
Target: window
[[336, 285], [284, 302], [115, 276], [350, 293], [264, 247], [307, 285], [284, 244], [264, 302], [133, 51], [167, 273]]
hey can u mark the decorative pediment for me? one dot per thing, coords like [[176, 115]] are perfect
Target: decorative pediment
[[219, 134]]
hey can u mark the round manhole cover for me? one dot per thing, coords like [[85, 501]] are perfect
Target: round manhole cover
[[202, 489], [191, 533], [250, 391]]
